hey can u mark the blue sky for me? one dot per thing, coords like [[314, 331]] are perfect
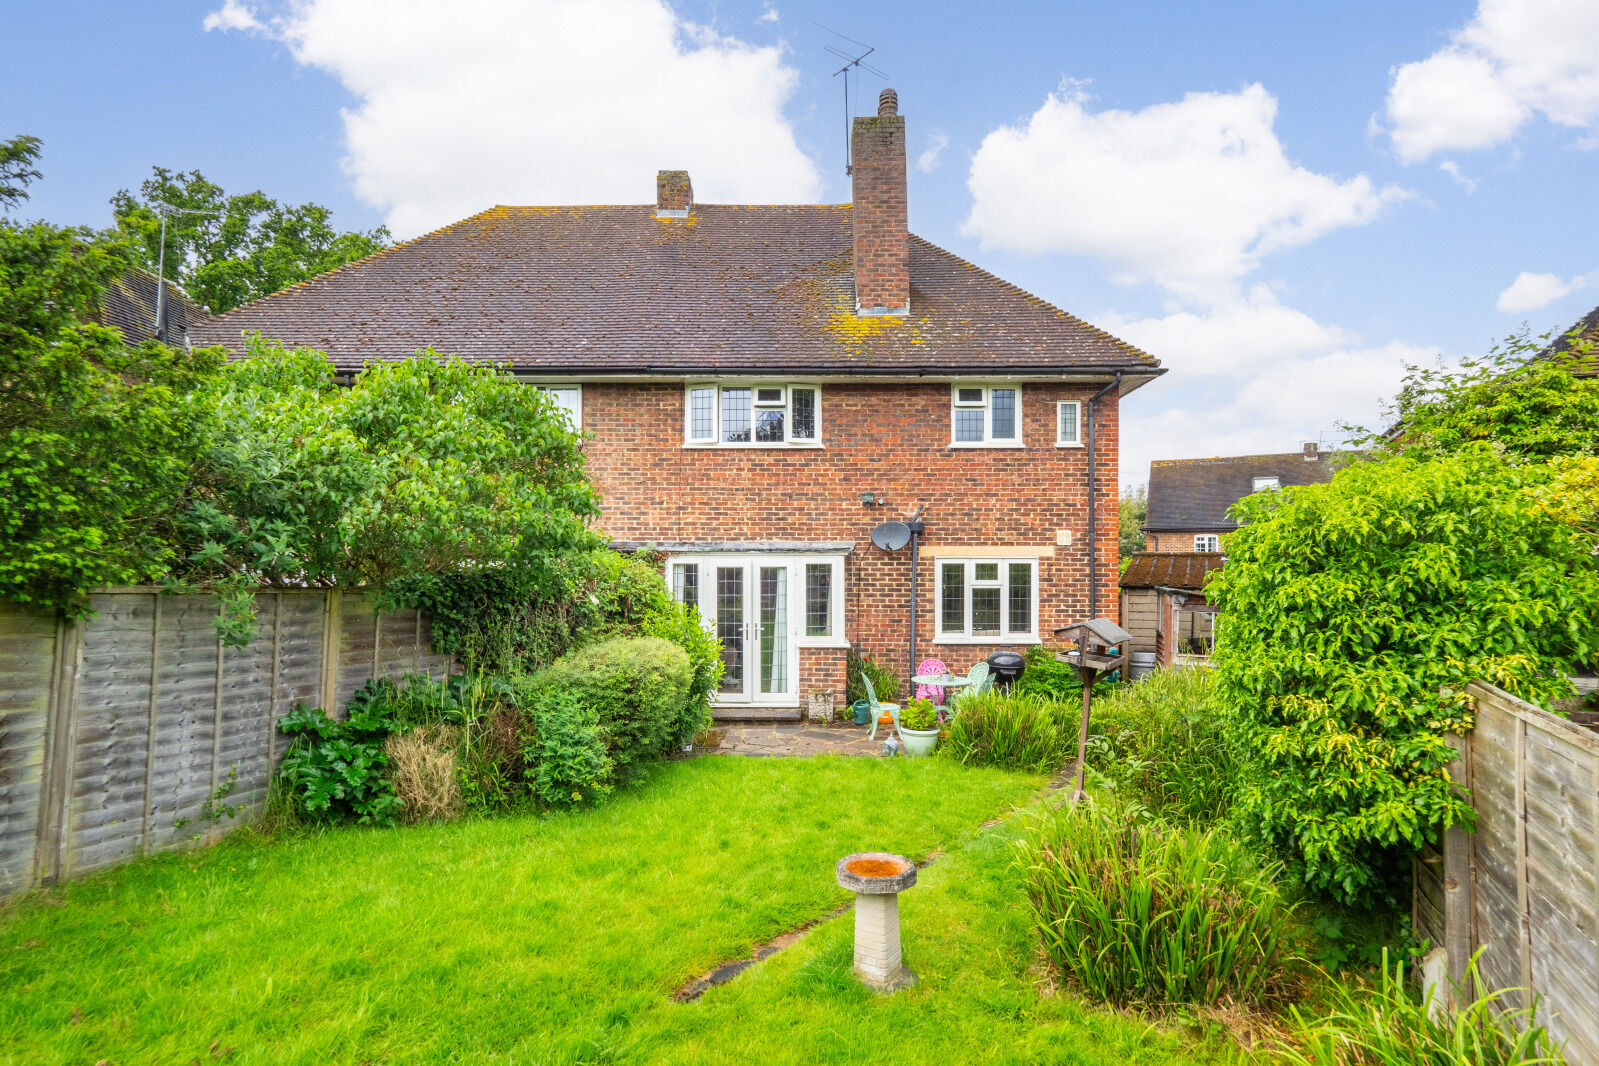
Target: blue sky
[[1283, 202]]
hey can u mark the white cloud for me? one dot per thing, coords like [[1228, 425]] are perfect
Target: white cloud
[[769, 15], [1192, 194], [1450, 167], [927, 162], [462, 106], [1531, 291], [232, 15], [1514, 59]]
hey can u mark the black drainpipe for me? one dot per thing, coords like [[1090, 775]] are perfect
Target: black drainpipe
[[1093, 527]]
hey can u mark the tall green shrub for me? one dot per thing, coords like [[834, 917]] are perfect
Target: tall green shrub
[[682, 626], [1353, 614], [637, 687]]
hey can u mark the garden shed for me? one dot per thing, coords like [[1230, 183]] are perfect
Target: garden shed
[[1164, 605]]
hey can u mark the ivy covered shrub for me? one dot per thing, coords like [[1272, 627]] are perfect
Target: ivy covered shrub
[[637, 689], [1354, 613]]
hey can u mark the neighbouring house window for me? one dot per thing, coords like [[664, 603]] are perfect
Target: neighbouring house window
[[987, 599], [753, 415], [1068, 424], [819, 599], [686, 584], [984, 415], [569, 398], [1207, 542], [1263, 483]]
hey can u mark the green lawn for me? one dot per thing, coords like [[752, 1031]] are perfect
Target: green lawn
[[528, 940]]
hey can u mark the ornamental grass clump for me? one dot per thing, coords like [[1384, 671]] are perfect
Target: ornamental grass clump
[[1014, 732], [1386, 1024], [1163, 742], [1146, 914]]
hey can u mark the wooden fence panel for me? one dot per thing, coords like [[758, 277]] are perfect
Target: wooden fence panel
[[116, 732]]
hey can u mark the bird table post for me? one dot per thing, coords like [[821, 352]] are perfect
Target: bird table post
[[1101, 648]]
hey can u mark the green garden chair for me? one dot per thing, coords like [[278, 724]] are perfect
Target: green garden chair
[[981, 678], [879, 708]]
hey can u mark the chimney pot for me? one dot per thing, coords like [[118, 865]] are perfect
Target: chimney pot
[[888, 102], [1312, 450], [674, 194]]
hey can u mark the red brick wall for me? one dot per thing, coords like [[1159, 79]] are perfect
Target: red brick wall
[[891, 439], [1177, 542], [882, 251]]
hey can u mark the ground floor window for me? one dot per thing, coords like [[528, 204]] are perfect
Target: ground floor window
[[991, 600]]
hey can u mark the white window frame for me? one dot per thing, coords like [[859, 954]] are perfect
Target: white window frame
[[1207, 542], [576, 411], [1077, 424], [1006, 635], [785, 404], [988, 441], [1265, 482]]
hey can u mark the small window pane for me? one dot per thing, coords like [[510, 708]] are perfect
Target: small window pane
[[1068, 424], [1003, 404], [1021, 598], [1263, 483], [803, 405], [769, 427], [969, 425], [686, 584], [985, 610], [702, 414], [968, 395], [768, 395], [1207, 542], [952, 618], [818, 599], [736, 416], [985, 571]]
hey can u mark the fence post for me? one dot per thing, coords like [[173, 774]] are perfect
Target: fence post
[[56, 770], [1458, 901], [330, 652], [1523, 880]]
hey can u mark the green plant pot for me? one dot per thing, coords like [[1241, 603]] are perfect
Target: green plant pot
[[918, 742], [863, 712]]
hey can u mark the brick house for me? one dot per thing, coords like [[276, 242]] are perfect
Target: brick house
[[1189, 498], [763, 385]]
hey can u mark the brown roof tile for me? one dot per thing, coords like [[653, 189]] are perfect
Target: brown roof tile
[[1173, 570], [614, 289]]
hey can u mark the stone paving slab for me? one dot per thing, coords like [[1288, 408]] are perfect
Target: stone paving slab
[[795, 739]]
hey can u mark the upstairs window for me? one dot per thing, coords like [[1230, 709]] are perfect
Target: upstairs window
[[1264, 483], [1068, 424], [1207, 542], [986, 416], [752, 415], [569, 398]]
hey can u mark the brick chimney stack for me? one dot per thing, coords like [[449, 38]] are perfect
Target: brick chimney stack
[[882, 254], [674, 193]]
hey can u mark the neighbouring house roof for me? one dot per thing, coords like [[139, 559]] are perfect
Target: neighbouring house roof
[[1173, 570], [129, 305], [1584, 329], [607, 290], [1194, 494]]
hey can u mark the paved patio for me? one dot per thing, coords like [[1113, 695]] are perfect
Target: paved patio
[[795, 739]]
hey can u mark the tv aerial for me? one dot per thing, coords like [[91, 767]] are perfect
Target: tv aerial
[[852, 62]]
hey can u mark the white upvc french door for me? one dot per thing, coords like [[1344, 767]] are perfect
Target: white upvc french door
[[747, 603]]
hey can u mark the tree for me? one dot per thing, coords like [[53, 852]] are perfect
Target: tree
[[429, 466], [97, 439], [1132, 512], [228, 250], [17, 157]]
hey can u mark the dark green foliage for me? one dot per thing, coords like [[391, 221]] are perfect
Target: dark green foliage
[[1147, 914], [17, 157], [637, 688], [1131, 512], [228, 250], [1162, 744], [1354, 613], [1386, 1024], [856, 663], [1047, 677], [564, 749], [682, 626], [97, 439], [334, 771], [1015, 732]]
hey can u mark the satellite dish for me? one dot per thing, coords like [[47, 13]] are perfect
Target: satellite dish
[[891, 536]]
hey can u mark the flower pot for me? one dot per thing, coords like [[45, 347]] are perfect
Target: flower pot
[[863, 712], [918, 741]]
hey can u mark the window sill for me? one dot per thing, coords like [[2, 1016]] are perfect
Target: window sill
[[821, 642], [1068, 444], [1013, 638], [987, 444], [714, 445]]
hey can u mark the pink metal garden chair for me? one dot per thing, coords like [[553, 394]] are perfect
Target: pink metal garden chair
[[931, 692]]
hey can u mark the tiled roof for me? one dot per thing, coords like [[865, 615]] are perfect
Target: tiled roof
[[129, 305], [1172, 570], [1196, 493], [614, 289], [1584, 329]]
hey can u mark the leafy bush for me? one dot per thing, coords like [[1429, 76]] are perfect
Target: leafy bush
[[682, 626], [919, 714], [1047, 677], [337, 771], [637, 687], [1387, 1025], [1016, 732], [856, 664], [1354, 613], [564, 749], [1153, 915], [1163, 741]]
